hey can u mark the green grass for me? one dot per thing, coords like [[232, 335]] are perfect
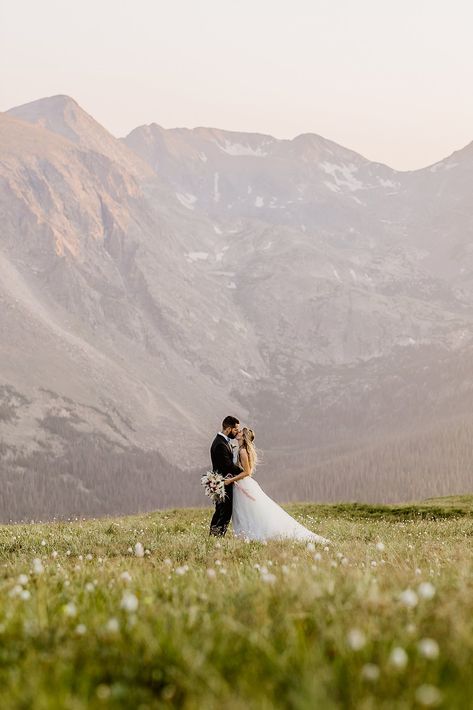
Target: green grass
[[229, 624]]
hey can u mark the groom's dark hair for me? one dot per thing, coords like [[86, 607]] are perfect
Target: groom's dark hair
[[229, 422]]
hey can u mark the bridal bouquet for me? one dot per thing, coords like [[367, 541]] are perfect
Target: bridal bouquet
[[214, 486]]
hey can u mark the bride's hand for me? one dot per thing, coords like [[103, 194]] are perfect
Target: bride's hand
[[228, 481]]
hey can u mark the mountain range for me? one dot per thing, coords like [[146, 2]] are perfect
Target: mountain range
[[151, 285]]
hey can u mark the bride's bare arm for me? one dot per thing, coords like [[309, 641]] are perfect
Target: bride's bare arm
[[245, 462]]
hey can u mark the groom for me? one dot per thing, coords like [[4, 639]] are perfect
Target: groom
[[223, 462]]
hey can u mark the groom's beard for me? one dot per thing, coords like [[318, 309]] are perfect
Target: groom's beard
[[231, 436]]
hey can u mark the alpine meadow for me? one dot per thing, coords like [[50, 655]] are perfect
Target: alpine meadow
[[150, 612]]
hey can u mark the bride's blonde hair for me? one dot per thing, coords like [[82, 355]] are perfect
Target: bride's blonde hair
[[248, 439]]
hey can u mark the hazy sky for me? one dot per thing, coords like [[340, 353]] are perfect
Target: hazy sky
[[390, 79]]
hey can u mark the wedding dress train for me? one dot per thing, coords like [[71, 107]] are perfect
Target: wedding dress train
[[257, 517]]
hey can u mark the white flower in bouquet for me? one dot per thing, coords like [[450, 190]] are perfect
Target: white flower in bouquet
[[213, 484]]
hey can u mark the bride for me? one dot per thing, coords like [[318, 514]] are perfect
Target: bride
[[255, 515]]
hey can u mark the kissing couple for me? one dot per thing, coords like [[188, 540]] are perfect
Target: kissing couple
[[254, 515]]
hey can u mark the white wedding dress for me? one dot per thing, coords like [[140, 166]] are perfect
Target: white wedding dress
[[256, 516]]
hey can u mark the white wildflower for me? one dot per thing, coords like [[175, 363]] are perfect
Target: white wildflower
[[268, 578], [89, 587], [70, 609], [23, 579], [139, 550], [182, 570], [54, 554], [380, 546], [310, 547], [356, 639], [16, 591], [409, 598], [428, 695], [112, 626], [103, 691], [211, 573], [426, 590], [398, 657], [129, 602], [370, 671], [81, 629], [428, 648], [89, 556], [43, 543], [38, 566], [125, 576], [25, 595]]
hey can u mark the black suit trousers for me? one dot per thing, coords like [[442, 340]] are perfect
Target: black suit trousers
[[223, 513]]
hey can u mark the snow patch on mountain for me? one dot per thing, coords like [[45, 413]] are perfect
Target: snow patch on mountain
[[186, 199], [336, 274], [388, 183], [246, 374], [216, 190], [343, 175], [241, 149], [192, 256], [331, 186], [219, 255], [443, 165]]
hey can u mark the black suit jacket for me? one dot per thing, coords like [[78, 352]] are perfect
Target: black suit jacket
[[222, 457]]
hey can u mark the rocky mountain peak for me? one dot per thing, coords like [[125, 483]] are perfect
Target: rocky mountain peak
[[62, 115]]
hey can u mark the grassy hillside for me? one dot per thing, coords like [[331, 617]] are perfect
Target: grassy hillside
[[381, 619]]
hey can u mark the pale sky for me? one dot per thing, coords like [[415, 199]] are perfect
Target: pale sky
[[390, 79]]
